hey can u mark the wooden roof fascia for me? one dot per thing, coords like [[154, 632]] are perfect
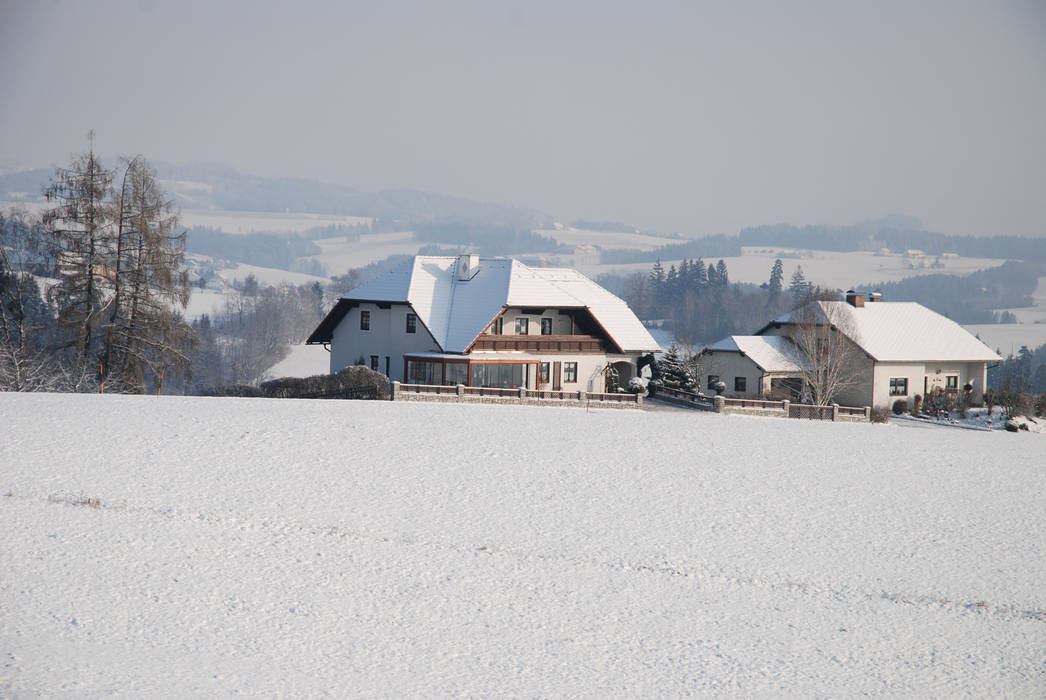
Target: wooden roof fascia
[[468, 348]]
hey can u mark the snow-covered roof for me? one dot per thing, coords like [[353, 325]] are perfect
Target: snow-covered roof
[[456, 312], [772, 353], [898, 331]]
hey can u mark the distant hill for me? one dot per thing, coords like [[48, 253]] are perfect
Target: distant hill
[[215, 186]]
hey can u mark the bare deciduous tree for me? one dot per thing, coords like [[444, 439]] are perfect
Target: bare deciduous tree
[[81, 230], [828, 359]]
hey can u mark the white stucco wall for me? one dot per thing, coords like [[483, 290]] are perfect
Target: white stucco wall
[[924, 376], [727, 366], [387, 337], [560, 322]]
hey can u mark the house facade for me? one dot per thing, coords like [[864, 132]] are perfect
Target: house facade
[[751, 367], [899, 350], [491, 322]]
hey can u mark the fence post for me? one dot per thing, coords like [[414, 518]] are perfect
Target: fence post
[[395, 391], [581, 396], [786, 406], [835, 412], [719, 403], [522, 394], [461, 391], [867, 413], [639, 400]]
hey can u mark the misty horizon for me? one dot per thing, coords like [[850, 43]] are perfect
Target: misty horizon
[[690, 120]]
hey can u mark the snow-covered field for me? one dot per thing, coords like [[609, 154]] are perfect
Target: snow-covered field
[[607, 240], [1008, 338], [302, 361], [268, 275], [829, 268], [231, 221], [210, 547], [340, 255]]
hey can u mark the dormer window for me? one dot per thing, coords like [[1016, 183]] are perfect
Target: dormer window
[[522, 326]]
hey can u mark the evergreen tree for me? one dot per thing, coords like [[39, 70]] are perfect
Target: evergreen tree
[[776, 285], [674, 371], [657, 286], [699, 275], [799, 288], [722, 278]]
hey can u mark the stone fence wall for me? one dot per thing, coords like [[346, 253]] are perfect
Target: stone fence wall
[[527, 397]]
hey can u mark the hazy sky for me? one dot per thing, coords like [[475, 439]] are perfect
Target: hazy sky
[[687, 116]]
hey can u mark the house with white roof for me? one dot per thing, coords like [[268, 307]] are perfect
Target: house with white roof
[[902, 349], [491, 322], [751, 367]]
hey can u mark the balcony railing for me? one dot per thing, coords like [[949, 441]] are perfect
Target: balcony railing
[[540, 343]]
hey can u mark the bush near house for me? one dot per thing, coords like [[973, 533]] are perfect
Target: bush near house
[[317, 386]]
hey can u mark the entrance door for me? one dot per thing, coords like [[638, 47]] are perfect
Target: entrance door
[[557, 376]]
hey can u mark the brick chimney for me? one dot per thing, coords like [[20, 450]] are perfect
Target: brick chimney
[[855, 299], [875, 296]]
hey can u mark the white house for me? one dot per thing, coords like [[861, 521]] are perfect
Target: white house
[[903, 349], [486, 322], [751, 367]]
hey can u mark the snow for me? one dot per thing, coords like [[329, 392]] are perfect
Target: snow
[[829, 268], [279, 547], [232, 221], [1008, 338], [302, 361], [267, 275]]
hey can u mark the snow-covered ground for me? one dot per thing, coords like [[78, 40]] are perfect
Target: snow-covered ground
[[209, 547], [267, 275], [829, 268], [1008, 338], [231, 221], [302, 361]]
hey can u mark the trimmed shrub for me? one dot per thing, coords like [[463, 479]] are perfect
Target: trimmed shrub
[[879, 415], [900, 406]]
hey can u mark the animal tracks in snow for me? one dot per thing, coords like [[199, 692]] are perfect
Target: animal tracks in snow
[[697, 570]]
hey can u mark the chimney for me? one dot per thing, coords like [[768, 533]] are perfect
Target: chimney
[[468, 266], [875, 296], [855, 299]]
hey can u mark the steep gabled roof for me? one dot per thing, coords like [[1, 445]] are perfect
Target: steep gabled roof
[[897, 331], [771, 353], [456, 312]]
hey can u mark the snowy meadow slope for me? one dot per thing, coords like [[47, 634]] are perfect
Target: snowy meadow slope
[[196, 547]]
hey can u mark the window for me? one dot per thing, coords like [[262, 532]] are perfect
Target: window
[[412, 323], [712, 380], [365, 321], [424, 372], [569, 372], [951, 382], [457, 373], [740, 383], [522, 326], [374, 362], [546, 326], [495, 327], [898, 386], [544, 373], [503, 375]]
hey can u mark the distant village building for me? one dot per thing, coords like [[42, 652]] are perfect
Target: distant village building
[[586, 256], [491, 322]]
